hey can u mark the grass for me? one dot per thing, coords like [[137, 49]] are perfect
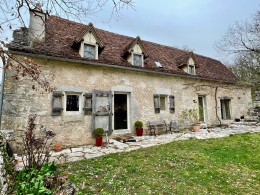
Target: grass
[[229, 165]]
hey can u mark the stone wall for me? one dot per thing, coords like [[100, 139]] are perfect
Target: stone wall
[[20, 100], [4, 136]]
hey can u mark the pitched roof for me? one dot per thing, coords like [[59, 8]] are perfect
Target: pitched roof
[[184, 59], [61, 33], [89, 29], [136, 41]]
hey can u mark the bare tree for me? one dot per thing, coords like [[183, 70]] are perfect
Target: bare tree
[[241, 44], [242, 37]]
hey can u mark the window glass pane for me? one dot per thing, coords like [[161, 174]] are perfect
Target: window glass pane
[[137, 60], [191, 69], [72, 103], [162, 103], [89, 51], [225, 109]]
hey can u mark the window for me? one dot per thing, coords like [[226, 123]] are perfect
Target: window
[[225, 109], [137, 59], [162, 102], [72, 102], [191, 69], [89, 51]]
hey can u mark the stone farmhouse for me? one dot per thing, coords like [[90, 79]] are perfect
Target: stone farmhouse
[[103, 79]]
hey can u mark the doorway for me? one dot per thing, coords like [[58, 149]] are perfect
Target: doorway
[[202, 108], [121, 113]]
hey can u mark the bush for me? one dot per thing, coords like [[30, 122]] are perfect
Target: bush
[[138, 124], [36, 147], [31, 180], [98, 132]]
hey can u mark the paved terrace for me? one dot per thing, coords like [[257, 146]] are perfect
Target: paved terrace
[[91, 151]]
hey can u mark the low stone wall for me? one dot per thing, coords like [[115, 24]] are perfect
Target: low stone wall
[[5, 135]]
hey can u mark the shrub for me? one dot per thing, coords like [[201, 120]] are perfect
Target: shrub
[[138, 124], [98, 132], [31, 180], [36, 147]]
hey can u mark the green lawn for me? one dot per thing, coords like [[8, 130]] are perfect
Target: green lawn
[[228, 165]]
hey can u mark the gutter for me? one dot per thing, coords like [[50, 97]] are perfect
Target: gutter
[[115, 66], [2, 94]]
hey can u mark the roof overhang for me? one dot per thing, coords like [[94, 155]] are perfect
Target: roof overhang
[[119, 67]]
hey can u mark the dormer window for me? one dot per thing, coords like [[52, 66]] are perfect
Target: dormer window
[[90, 51], [137, 59], [191, 69]]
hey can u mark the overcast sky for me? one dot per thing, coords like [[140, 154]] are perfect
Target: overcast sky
[[195, 24]]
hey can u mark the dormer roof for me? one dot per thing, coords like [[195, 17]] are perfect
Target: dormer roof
[[89, 29], [183, 60], [129, 48]]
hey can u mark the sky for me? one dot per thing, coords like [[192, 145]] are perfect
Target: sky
[[196, 25]]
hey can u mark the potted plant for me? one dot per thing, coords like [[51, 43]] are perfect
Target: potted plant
[[57, 147], [191, 116], [139, 128], [98, 133]]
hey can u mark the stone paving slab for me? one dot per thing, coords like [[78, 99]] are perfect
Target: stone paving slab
[[90, 151]]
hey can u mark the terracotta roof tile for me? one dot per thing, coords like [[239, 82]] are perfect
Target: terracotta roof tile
[[61, 33]]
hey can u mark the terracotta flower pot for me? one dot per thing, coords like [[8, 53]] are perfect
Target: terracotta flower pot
[[139, 131], [99, 141], [196, 127], [57, 147]]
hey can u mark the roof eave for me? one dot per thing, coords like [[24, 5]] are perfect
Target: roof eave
[[117, 66]]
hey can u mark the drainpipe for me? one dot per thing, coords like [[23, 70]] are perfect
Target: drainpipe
[[2, 89], [216, 105]]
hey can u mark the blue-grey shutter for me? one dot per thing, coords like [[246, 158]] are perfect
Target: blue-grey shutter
[[87, 103], [57, 103], [172, 103], [102, 110], [156, 99]]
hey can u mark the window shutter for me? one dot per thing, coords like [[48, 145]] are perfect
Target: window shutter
[[172, 103], [87, 103], [156, 99], [56, 103]]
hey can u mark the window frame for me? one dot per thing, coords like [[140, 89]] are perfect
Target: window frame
[[90, 44], [193, 69], [165, 102], [224, 114], [80, 103], [142, 59]]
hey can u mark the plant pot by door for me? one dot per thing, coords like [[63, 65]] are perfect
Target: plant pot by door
[[196, 127], [99, 141], [57, 147], [139, 131]]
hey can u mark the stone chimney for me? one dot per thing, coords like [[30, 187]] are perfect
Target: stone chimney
[[37, 24]]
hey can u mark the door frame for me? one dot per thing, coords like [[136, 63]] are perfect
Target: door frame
[[204, 102], [119, 131]]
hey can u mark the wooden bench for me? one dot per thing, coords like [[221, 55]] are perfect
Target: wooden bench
[[153, 124]]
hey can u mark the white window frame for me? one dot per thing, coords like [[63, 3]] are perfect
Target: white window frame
[[165, 102], [194, 69], [83, 49], [166, 98], [142, 58], [230, 109], [80, 103], [122, 131]]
